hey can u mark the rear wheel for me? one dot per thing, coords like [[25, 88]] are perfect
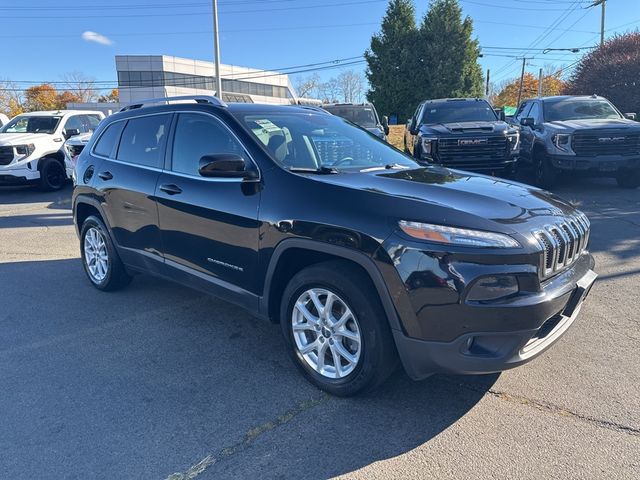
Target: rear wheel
[[52, 175], [629, 179], [545, 174], [336, 329], [99, 258]]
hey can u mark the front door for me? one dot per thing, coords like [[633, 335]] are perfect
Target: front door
[[209, 226]]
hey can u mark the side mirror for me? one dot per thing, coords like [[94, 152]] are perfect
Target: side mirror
[[630, 116], [70, 132], [385, 124], [528, 122], [412, 127], [500, 113], [225, 165]]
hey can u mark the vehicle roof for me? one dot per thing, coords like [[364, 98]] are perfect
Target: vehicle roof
[[558, 98], [443, 100], [51, 113], [364, 104]]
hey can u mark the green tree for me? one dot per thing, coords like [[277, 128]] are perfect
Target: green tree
[[611, 70], [448, 53], [389, 61]]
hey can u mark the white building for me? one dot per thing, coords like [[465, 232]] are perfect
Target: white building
[[152, 76]]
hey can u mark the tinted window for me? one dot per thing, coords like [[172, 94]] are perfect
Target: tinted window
[[32, 124], [107, 142], [93, 122], [362, 116], [458, 111], [534, 112], [142, 140], [522, 111], [198, 135]]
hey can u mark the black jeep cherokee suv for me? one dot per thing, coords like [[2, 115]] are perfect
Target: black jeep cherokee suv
[[463, 133], [362, 260], [580, 135]]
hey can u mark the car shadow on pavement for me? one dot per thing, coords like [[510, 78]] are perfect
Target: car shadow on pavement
[[165, 374], [60, 199], [37, 220]]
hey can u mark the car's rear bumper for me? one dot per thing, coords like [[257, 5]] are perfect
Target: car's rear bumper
[[601, 164], [481, 352]]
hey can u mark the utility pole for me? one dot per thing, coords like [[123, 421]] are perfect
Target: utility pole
[[486, 90], [603, 4], [524, 62], [540, 84], [216, 48]]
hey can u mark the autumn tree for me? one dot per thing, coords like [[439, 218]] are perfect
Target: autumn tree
[[552, 84], [82, 85], [11, 99], [41, 97], [611, 70], [111, 97]]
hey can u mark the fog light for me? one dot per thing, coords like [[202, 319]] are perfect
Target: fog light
[[493, 287]]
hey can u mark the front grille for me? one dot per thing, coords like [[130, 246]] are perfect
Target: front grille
[[6, 155], [606, 143], [75, 150], [453, 151], [562, 243]]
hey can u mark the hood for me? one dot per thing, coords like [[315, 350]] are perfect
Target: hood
[[613, 123], [376, 131], [465, 127], [23, 138], [81, 139], [515, 206]]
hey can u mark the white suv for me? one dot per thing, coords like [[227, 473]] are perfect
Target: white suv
[[31, 146]]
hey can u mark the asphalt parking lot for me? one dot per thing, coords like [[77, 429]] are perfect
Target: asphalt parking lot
[[158, 381]]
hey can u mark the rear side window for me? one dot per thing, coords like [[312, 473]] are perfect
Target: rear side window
[[106, 144], [198, 135], [143, 139]]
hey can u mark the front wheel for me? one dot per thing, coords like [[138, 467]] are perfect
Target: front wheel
[[336, 330], [52, 175], [629, 179], [545, 174]]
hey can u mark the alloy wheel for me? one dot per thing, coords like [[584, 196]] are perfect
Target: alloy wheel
[[96, 256], [326, 333]]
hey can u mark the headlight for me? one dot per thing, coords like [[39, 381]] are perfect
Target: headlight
[[562, 141], [25, 150], [514, 140], [457, 236], [427, 145]]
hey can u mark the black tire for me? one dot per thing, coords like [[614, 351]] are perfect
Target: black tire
[[52, 175], [377, 357], [628, 179], [545, 175], [116, 276]]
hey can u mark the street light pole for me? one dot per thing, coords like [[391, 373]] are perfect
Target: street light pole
[[216, 48]]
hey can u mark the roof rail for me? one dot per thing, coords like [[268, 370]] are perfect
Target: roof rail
[[154, 101]]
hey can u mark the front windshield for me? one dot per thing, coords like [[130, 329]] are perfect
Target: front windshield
[[579, 109], [457, 112], [31, 124], [316, 140], [362, 116]]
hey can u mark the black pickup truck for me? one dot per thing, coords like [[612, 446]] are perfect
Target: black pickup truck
[[578, 135], [463, 133]]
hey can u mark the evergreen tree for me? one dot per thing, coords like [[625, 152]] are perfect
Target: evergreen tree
[[389, 61], [448, 54]]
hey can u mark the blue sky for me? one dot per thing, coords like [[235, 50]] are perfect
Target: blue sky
[[41, 40]]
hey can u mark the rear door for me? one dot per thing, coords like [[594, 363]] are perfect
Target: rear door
[[209, 226], [127, 180]]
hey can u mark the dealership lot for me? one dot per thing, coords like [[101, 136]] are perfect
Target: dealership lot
[[159, 381]]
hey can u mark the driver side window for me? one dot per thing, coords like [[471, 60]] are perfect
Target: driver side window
[[198, 135], [75, 122], [522, 112]]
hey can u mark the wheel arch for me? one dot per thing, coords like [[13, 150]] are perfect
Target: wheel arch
[[293, 255], [83, 208], [58, 155]]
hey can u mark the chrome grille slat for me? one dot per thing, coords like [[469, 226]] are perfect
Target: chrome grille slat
[[562, 243]]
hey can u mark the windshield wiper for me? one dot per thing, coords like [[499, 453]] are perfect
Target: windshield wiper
[[320, 170], [389, 166]]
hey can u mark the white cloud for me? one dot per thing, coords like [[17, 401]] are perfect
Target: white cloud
[[96, 37]]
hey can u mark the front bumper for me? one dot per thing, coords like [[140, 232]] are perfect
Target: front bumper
[[14, 175], [488, 351], [601, 164]]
